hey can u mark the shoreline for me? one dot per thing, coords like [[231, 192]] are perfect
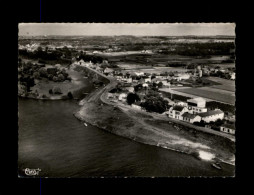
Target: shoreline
[[149, 142]]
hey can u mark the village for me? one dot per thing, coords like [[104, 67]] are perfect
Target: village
[[143, 91]]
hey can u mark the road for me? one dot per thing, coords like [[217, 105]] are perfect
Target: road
[[102, 95]]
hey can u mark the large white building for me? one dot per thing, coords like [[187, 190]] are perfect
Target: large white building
[[191, 118], [196, 105], [194, 111], [212, 115], [177, 111]]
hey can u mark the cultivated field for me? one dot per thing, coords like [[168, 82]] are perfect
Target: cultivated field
[[211, 93], [227, 85]]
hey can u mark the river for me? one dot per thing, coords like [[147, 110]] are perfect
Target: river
[[53, 140]]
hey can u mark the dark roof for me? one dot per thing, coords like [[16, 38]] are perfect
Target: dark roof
[[230, 126], [210, 113], [178, 108], [188, 115]]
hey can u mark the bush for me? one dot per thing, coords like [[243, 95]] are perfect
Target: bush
[[132, 97], [36, 75], [70, 95], [55, 78], [50, 77], [57, 90], [43, 72], [60, 77]]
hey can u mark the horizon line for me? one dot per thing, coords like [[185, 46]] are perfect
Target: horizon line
[[127, 35]]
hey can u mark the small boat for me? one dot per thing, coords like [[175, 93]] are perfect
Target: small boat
[[85, 124], [216, 165]]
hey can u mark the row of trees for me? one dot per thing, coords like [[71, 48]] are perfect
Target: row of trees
[[153, 102], [88, 58], [201, 49]]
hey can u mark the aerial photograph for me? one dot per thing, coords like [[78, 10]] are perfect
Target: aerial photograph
[[126, 100]]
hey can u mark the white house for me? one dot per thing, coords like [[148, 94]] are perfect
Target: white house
[[130, 89], [127, 80], [180, 103], [145, 85], [232, 76], [196, 105], [110, 95], [212, 115], [139, 73], [177, 111], [157, 80], [108, 70], [166, 83], [136, 105], [191, 118], [228, 128], [122, 96], [147, 79], [182, 76]]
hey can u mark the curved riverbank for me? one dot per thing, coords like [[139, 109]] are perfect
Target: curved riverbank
[[148, 129], [51, 139], [188, 141]]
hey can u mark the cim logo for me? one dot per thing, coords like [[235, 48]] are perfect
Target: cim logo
[[32, 172]]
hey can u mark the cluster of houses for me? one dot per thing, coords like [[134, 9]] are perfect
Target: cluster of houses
[[210, 70], [194, 110]]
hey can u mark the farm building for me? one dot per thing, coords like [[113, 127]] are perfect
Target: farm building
[[197, 105], [212, 115], [191, 118], [122, 96], [228, 128], [177, 111]]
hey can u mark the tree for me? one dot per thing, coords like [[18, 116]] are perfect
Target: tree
[[218, 122], [132, 97], [155, 104], [70, 95], [55, 79], [138, 87], [160, 84], [60, 77], [50, 77], [57, 90], [43, 72], [36, 75]]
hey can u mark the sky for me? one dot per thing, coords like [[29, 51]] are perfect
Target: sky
[[136, 29]]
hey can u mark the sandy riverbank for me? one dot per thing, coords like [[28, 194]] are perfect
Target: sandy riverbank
[[145, 129]]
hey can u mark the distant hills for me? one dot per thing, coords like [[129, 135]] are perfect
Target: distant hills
[[127, 36]]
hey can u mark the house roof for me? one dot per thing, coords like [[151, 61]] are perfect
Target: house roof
[[178, 108], [210, 113], [188, 115], [196, 100], [157, 79], [108, 70], [230, 126]]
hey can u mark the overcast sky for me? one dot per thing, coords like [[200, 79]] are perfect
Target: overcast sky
[[138, 29]]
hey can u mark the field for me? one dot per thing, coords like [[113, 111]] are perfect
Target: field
[[211, 93], [227, 85]]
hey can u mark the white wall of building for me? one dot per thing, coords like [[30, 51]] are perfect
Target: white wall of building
[[213, 118]]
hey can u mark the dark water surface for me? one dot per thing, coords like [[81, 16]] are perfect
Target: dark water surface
[[52, 139]]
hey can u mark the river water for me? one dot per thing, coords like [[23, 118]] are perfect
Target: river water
[[53, 140]]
